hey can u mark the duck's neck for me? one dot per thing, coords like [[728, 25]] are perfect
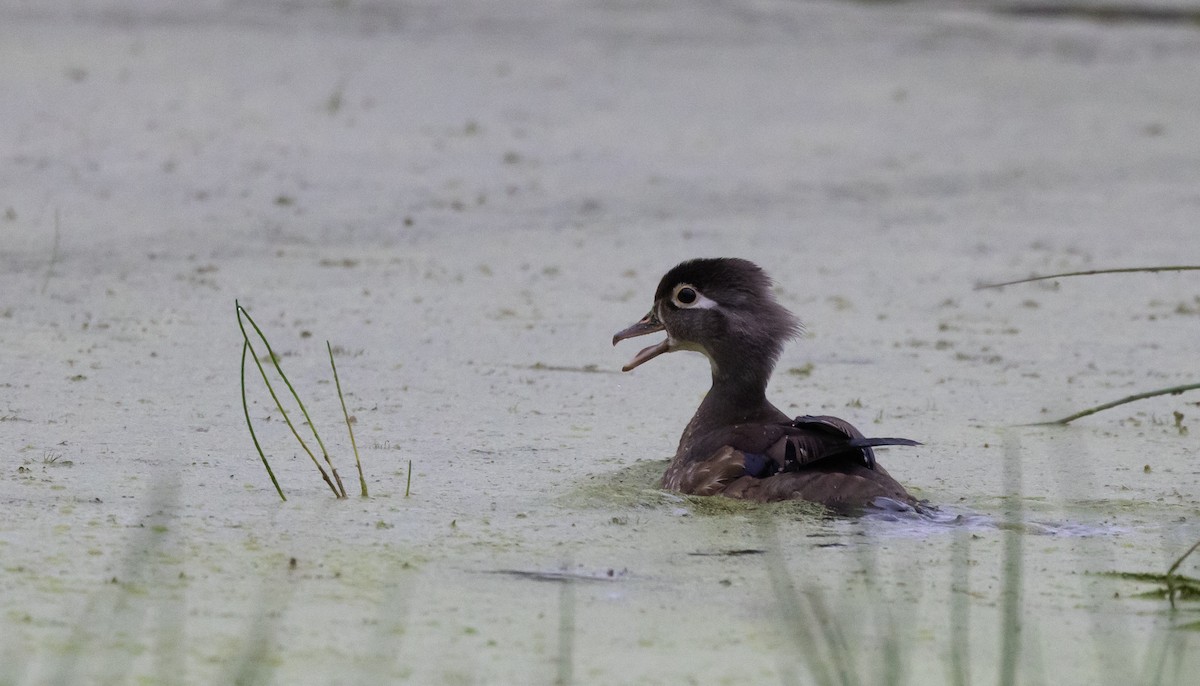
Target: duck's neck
[[736, 398], [733, 399]]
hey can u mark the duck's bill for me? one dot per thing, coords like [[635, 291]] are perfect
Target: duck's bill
[[647, 325], [647, 354]]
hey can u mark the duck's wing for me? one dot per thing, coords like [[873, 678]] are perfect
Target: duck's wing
[[810, 439], [811, 451], [708, 476], [824, 460], [715, 459]]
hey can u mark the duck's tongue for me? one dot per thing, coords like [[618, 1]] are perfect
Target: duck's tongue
[[647, 325]]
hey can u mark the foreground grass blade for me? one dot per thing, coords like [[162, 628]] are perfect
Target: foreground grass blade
[[250, 425], [960, 610], [362, 481], [255, 664], [792, 612], [1090, 272], [275, 397], [121, 605], [565, 660], [881, 608], [1010, 638], [834, 633]]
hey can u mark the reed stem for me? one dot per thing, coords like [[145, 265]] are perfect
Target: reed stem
[[362, 480], [275, 397], [1089, 272], [1173, 569], [250, 425], [1174, 390]]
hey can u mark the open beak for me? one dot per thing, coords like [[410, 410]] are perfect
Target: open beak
[[648, 324]]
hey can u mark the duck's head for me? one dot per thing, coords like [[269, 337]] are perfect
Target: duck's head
[[721, 307]]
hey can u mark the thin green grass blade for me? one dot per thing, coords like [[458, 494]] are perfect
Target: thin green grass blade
[[1173, 569], [362, 480], [339, 489], [1090, 272], [1174, 390], [250, 425], [279, 405]]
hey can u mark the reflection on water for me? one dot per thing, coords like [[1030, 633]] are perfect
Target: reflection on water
[[924, 521]]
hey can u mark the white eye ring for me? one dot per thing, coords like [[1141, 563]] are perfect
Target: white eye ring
[[686, 296]]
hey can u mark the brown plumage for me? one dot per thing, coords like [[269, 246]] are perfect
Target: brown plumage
[[738, 444]]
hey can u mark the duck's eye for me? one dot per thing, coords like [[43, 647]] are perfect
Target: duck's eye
[[686, 296]]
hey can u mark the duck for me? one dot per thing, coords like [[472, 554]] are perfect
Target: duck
[[738, 444]]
